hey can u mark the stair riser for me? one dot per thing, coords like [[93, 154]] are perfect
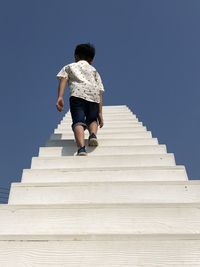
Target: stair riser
[[108, 130], [114, 124], [107, 142], [105, 136], [70, 151], [102, 133], [107, 121], [111, 126], [104, 161], [116, 108], [127, 253], [101, 175], [111, 117], [127, 192], [75, 220], [119, 115]]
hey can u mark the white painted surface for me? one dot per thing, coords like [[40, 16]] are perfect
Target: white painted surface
[[126, 204], [107, 142], [119, 123], [103, 161], [128, 116], [103, 130], [129, 253], [133, 135], [116, 125], [104, 133], [100, 219], [105, 192], [172, 173], [113, 129], [105, 151]]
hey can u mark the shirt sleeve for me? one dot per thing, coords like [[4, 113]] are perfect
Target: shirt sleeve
[[99, 82], [63, 73]]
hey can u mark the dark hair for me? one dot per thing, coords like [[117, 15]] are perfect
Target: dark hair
[[85, 51]]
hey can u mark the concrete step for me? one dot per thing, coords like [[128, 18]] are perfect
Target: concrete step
[[115, 107], [123, 125], [172, 173], [137, 128], [144, 134], [114, 129], [102, 132], [108, 109], [106, 142], [114, 110], [119, 112], [120, 116], [109, 150], [76, 220], [105, 192], [103, 161], [107, 121], [111, 114], [179, 251]]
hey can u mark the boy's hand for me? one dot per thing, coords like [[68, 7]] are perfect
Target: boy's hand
[[60, 104], [100, 119]]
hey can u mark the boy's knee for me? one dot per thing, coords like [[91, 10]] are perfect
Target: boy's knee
[[91, 123], [79, 124]]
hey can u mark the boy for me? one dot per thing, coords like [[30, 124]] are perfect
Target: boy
[[85, 100]]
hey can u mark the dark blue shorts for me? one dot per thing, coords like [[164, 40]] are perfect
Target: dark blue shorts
[[83, 112]]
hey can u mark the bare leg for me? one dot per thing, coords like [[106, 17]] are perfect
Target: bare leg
[[93, 127], [79, 135]]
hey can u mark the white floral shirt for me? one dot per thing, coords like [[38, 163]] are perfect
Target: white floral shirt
[[84, 80]]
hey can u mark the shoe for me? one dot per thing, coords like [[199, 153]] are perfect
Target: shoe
[[81, 152], [92, 141]]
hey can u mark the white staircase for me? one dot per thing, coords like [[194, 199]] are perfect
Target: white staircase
[[126, 204]]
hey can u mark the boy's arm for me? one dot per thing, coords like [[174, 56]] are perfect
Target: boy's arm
[[100, 117], [61, 90]]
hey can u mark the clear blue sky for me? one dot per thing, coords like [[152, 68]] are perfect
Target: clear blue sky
[[148, 54]]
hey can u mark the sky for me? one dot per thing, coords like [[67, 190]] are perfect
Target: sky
[[147, 53]]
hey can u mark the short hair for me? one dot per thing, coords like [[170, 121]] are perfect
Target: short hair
[[85, 51]]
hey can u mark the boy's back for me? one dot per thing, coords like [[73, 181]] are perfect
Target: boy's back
[[84, 80]]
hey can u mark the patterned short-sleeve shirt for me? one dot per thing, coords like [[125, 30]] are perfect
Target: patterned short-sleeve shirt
[[84, 80]]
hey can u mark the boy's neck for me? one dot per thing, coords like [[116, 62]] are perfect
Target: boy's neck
[[77, 60]]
